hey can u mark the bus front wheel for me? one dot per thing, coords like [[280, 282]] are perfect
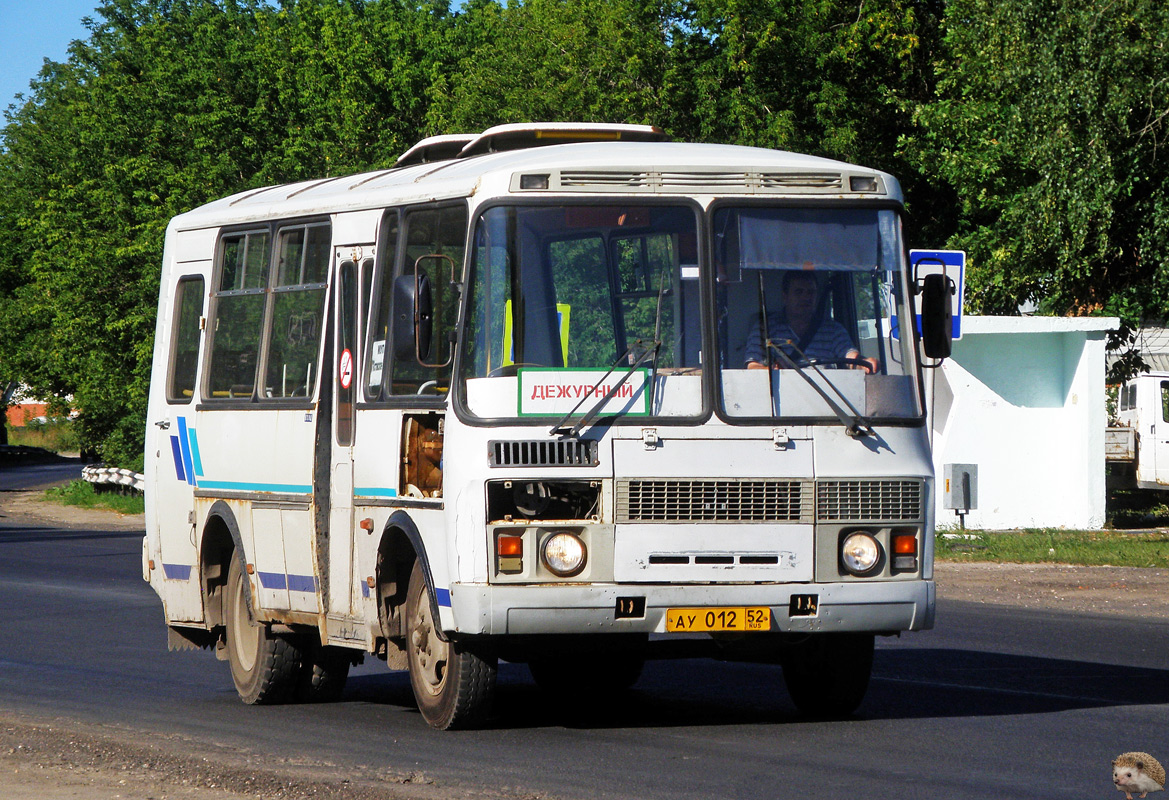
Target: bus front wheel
[[827, 675], [264, 666], [452, 684]]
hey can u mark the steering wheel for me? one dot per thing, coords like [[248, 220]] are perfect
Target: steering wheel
[[837, 362]]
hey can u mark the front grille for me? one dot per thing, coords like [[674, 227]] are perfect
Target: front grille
[[738, 500], [884, 500], [542, 453]]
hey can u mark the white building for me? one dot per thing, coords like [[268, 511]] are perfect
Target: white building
[[1023, 399]]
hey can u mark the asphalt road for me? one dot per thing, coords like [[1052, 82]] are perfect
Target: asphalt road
[[21, 473], [992, 703]]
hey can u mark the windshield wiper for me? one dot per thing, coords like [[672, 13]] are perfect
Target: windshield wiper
[[855, 423], [610, 393]]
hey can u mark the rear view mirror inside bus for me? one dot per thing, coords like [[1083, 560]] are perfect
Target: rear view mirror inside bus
[[413, 317]]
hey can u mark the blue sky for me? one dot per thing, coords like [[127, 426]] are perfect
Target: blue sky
[[30, 32]]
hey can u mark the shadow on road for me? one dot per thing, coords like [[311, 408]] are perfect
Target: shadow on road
[[18, 534], [907, 684]]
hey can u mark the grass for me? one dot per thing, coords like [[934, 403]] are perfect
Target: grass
[[81, 493], [1049, 546], [1130, 539], [55, 435]]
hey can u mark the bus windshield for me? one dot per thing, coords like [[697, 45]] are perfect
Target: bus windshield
[[828, 282], [579, 308]]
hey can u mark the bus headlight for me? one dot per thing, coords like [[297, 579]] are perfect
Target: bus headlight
[[564, 554], [860, 552]]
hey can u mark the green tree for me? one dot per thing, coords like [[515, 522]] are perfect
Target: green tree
[[823, 77], [1048, 124], [166, 105], [579, 60]]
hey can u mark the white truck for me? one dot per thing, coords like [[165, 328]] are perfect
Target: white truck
[[1136, 448]]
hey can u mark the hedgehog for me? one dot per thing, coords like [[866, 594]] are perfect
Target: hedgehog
[[1137, 773]]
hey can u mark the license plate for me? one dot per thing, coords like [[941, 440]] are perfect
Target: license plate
[[688, 620]]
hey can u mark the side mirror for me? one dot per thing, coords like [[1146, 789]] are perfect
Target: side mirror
[[937, 315], [413, 317]]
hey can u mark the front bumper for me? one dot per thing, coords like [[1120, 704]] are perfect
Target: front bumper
[[876, 607]]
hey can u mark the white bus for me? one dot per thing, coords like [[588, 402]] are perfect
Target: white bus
[[510, 399]]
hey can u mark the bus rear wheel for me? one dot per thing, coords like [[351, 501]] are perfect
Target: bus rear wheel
[[265, 667], [452, 684], [325, 671], [827, 675]]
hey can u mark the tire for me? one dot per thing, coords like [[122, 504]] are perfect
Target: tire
[[324, 674], [828, 674], [265, 667], [452, 684]]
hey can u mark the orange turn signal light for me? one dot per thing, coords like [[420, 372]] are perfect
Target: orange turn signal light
[[905, 545], [510, 545]]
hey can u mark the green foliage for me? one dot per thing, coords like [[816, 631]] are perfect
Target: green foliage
[[167, 105], [82, 493], [580, 60], [1048, 125], [1089, 548], [1025, 131], [55, 435]]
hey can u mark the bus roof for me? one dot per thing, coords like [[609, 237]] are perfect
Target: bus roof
[[622, 168]]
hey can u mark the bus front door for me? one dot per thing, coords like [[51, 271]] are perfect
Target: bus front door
[[342, 605]]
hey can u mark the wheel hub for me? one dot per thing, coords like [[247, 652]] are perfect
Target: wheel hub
[[430, 652]]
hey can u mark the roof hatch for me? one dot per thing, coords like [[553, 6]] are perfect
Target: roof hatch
[[520, 136]]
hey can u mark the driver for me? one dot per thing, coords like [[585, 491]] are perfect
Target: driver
[[798, 322]]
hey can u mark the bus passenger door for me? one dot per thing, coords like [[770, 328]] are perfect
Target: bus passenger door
[[172, 442], [341, 568]]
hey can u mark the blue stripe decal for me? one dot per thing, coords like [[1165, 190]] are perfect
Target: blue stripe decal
[[195, 452], [243, 486], [443, 596], [273, 580], [183, 443], [302, 583], [177, 572], [373, 491], [174, 446], [364, 589]]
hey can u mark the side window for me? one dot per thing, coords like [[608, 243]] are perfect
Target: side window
[[1165, 401], [379, 308], [434, 243], [346, 307], [298, 305], [184, 352], [238, 308], [435, 240]]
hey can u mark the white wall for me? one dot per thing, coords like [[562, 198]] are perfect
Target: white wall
[[1023, 398]]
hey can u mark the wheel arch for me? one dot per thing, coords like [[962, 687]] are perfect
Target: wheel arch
[[400, 546], [221, 538]]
